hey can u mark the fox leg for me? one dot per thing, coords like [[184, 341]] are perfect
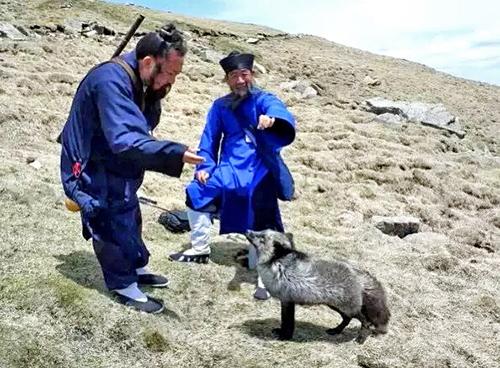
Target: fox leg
[[364, 332], [287, 321], [336, 330]]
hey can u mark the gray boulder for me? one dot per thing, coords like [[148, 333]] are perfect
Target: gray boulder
[[389, 118], [9, 31], [304, 89], [434, 115], [397, 226], [208, 55]]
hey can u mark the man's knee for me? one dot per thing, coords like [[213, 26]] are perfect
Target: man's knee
[[212, 207]]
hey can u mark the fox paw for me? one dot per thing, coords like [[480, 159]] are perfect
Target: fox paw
[[361, 338], [334, 331], [277, 332]]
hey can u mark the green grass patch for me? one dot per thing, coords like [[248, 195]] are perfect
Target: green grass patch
[[155, 341]]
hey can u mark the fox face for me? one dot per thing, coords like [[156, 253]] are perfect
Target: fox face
[[270, 244]]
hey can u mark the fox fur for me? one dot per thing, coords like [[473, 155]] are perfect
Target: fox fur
[[295, 278]]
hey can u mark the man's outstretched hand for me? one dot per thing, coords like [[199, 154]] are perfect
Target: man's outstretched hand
[[190, 157], [265, 122]]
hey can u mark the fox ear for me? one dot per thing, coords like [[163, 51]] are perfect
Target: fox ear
[[290, 239]]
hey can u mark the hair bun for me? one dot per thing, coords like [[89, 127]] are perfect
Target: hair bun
[[170, 33]]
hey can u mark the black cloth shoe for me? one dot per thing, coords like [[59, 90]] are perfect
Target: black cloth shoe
[[152, 305], [152, 280], [181, 257]]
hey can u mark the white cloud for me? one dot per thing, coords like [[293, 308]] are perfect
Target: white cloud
[[457, 36]]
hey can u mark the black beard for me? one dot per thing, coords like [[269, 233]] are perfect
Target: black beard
[[155, 95]]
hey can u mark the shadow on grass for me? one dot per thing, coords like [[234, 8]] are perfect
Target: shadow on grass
[[224, 253], [304, 331], [83, 268]]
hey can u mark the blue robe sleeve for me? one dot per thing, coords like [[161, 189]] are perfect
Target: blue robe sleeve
[[210, 141], [282, 133], [127, 131]]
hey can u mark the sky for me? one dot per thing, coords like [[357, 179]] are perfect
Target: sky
[[459, 37]]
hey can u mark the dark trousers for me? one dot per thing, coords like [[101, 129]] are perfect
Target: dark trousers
[[118, 245]]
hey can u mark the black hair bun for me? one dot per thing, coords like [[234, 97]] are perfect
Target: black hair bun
[[170, 33]]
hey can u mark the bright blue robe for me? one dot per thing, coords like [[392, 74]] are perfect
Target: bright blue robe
[[239, 179], [106, 147]]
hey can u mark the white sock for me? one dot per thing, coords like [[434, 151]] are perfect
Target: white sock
[[142, 271], [133, 292], [200, 232]]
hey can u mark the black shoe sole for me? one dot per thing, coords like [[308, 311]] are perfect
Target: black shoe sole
[[136, 305], [204, 258], [155, 285]]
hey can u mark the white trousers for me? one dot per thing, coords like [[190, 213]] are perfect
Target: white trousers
[[200, 224]]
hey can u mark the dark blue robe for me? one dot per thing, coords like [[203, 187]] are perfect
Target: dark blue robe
[[240, 182], [106, 147]]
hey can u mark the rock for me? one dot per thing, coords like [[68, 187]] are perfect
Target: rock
[[319, 88], [9, 31], [89, 34], [434, 115], [288, 86], [72, 26], [46, 29], [35, 164], [349, 218], [210, 56], [93, 28], [399, 226], [260, 68], [252, 41], [372, 82], [309, 92], [303, 88], [390, 119], [342, 99]]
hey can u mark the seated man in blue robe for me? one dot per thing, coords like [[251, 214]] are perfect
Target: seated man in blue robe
[[107, 145], [243, 174]]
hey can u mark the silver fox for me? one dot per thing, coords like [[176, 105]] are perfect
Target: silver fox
[[294, 278]]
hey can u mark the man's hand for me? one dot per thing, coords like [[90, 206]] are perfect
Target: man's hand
[[265, 122], [190, 156], [202, 176]]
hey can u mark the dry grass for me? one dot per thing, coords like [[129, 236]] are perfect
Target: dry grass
[[443, 283]]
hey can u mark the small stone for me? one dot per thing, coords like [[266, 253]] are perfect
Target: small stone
[[398, 226], [260, 68], [36, 165], [372, 82], [252, 41]]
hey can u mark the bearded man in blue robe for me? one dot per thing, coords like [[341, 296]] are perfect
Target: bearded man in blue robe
[[107, 144], [243, 174]]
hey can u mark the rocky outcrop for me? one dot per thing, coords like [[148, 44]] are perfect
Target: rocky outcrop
[[434, 115], [12, 32]]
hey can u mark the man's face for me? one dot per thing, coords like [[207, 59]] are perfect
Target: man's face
[[159, 73], [240, 81]]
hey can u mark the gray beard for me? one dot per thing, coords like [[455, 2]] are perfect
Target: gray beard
[[242, 92]]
